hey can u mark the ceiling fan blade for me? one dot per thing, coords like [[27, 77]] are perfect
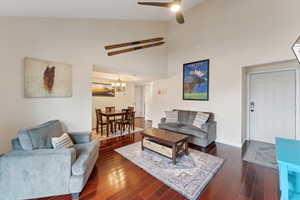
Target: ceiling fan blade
[[179, 17], [159, 4], [177, 1]]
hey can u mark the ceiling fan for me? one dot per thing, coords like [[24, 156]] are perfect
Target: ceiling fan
[[174, 6]]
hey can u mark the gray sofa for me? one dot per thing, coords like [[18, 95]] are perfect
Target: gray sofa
[[34, 169], [199, 136]]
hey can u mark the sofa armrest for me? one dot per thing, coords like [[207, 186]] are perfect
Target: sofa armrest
[[80, 137], [163, 120], [209, 127], [32, 174]]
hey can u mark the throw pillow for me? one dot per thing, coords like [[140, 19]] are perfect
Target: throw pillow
[[200, 119], [171, 116], [63, 141]]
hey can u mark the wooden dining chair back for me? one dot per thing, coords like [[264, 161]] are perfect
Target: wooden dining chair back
[[131, 108], [98, 115], [121, 121], [129, 118], [100, 122], [110, 109], [126, 113]]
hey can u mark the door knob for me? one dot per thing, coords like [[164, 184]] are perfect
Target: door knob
[[252, 106]]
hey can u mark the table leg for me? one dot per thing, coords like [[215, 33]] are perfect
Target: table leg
[[133, 124], [284, 183], [108, 124], [174, 154], [142, 143], [186, 147]]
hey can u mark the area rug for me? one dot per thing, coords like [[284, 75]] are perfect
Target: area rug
[[114, 135], [189, 176], [261, 153]]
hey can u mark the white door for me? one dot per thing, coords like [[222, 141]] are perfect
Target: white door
[[139, 101], [272, 106]]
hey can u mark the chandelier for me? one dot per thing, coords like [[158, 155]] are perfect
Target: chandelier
[[119, 86]]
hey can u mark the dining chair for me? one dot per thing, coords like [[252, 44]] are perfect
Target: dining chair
[[110, 109], [132, 116], [131, 119], [127, 120], [131, 108], [100, 122], [120, 123]]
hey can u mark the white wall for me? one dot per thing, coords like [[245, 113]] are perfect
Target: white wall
[[77, 42], [232, 34], [139, 101]]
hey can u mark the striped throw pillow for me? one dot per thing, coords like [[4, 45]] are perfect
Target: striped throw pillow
[[200, 119], [61, 142], [171, 116]]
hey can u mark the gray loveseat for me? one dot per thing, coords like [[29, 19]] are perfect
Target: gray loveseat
[[34, 169], [201, 137]]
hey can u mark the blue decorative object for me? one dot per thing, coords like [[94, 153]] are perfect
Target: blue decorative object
[[288, 158]]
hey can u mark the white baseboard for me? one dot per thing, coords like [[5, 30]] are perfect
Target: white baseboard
[[239, 145]]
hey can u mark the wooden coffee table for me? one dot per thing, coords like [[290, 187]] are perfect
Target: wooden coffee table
[[164, 142]]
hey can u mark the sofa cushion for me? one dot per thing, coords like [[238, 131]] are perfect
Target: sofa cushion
[[171, 116], [192, 117], [16, 145], [85, 153], [62, 142], [193, 130], [184, 129], [171, 126], [200, 119], [183, 117], [40, 137]]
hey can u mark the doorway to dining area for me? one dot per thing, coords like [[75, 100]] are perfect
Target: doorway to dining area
[[118, 99]]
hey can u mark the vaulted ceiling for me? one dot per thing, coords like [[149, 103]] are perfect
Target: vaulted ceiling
[[98, 9]]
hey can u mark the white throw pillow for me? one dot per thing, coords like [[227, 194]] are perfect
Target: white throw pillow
[[171, 116], [200, 119], [61, 142]]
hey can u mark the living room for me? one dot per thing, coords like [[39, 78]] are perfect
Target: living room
[[236, 36]]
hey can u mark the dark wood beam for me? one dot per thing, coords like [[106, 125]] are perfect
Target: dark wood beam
[[112, 53], [114, 46]]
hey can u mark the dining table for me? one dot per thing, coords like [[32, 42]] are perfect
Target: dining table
[[111, 116]]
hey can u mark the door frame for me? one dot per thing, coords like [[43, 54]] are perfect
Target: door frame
[[297, 96], [142, 87]]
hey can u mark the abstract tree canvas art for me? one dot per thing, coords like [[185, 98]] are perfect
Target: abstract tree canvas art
[[47, 79], [196, 80]]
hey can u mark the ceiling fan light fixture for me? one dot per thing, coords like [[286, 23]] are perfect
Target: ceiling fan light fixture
[[175, 8]]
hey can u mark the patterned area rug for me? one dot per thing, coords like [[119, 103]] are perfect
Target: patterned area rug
[[261, 153], [188, 177], [114, 135]]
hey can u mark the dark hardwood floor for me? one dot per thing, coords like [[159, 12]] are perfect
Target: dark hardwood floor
[[115, 178]]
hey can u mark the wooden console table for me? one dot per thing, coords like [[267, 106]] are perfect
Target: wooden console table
[[166, 143]]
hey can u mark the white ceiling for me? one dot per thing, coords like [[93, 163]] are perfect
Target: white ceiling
[[98, 9]]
